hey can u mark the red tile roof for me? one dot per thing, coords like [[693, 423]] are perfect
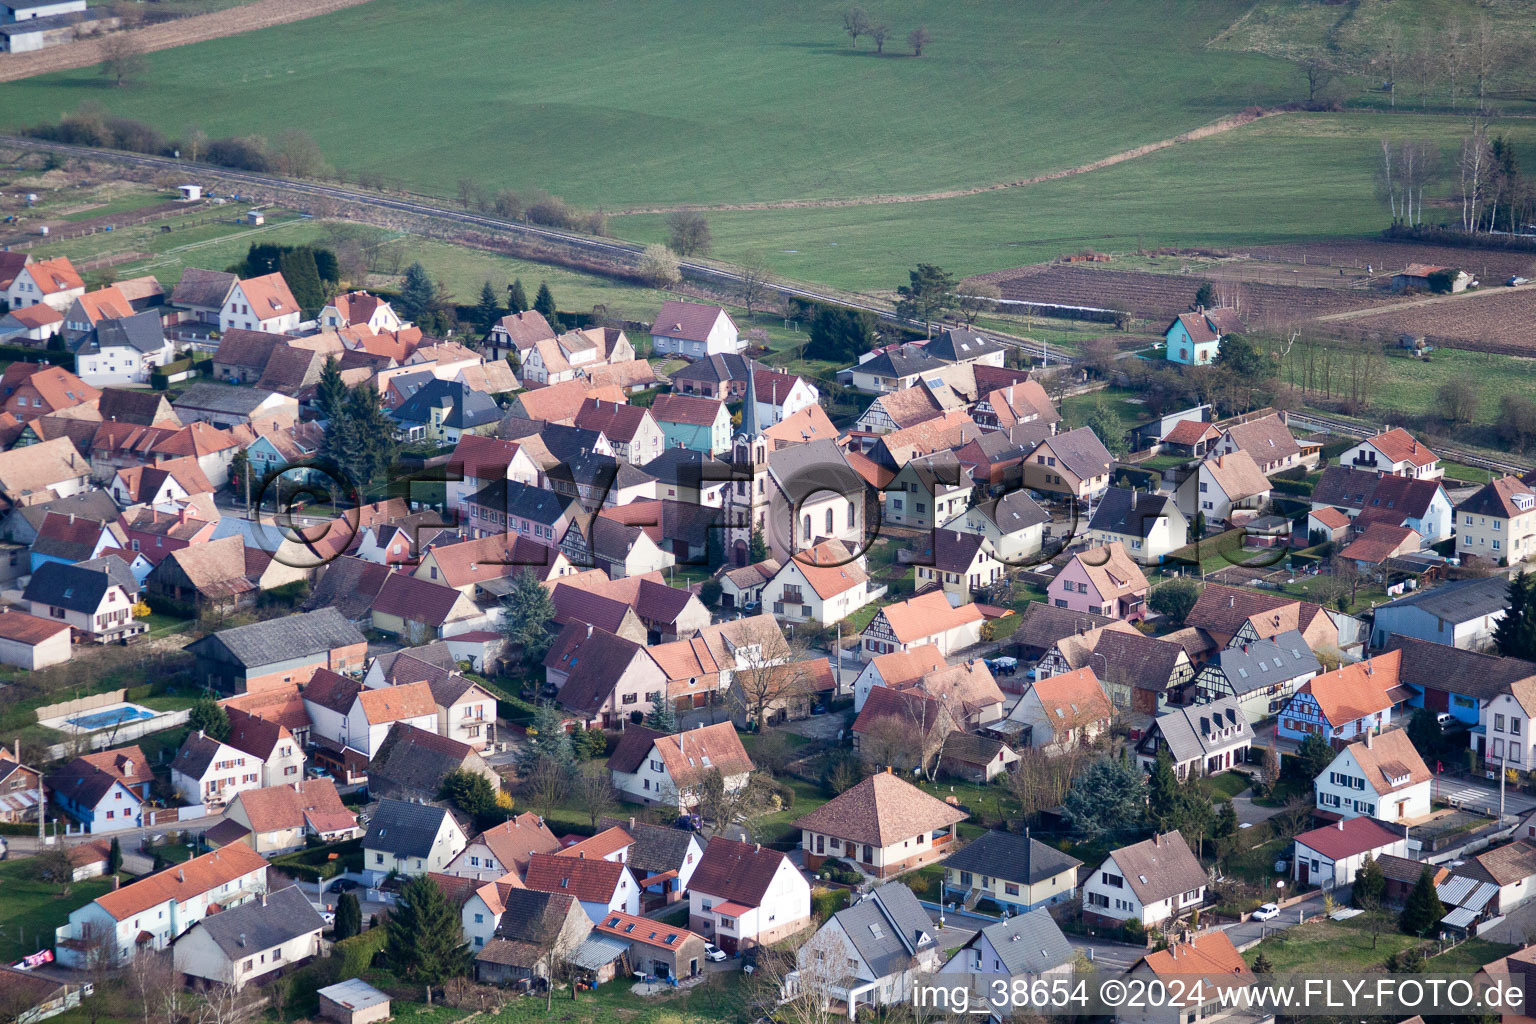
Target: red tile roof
[[1348, 838], [590, 879]]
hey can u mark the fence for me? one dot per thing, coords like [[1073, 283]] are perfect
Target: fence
[[112, 736], [81, 704]]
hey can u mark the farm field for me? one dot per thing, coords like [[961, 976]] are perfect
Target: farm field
[[1502, 321], [708, 101], [1408, 386], [1283, 180]]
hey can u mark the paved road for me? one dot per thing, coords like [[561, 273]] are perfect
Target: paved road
[[1290, 917], [712, 272], [1481, 795]]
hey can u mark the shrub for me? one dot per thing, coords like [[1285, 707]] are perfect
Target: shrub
[[825, 904], [1134, 932]]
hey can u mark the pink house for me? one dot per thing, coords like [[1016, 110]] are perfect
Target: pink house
[[1102, 580]]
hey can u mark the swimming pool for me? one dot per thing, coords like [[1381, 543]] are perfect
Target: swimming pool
[[110, 716]]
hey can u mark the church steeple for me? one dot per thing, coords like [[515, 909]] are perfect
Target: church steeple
[[749, 427]]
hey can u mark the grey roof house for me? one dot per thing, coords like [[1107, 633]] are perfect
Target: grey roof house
[[240, 945], [275, 651], [1024, 944], [1015, 872], [877, 947], [1202, 740], [1461, 613], [1261, 675]]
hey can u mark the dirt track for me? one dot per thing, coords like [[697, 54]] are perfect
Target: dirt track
[[1224, 124], [83, 53]]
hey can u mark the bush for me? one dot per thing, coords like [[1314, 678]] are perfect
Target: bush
[[248, 154], [1134, 932], [825, 904], [840, 871]]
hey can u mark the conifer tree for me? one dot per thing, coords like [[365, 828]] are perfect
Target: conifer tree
[[544, 304], [487, 310], [424, 939], [517, 299], [1423, 910]]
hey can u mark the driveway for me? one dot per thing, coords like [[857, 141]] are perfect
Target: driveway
[[1518, 927], [1252, 931], [1249, 812]]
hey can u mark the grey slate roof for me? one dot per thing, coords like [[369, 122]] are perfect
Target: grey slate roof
[[656, 848], [68, 586], [467, 408], [561, 440], [292, 636], [902, 362], [1029, 943], [1123, 510], [1014, 511], [534, 504], [684, 467], [1263, 663], [116, 569], [1082, 452], [887, 927], [1443, 668], [806, 470], [415, 761], [262, 923], [404, 829], [1197, 731], [195, 755], [1458, 600], [203, 288], [224, 398], [959, 343], [141, 332], [1011, 857]]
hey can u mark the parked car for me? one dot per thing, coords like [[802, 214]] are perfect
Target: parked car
[[327, 916], [819, 709], [713, 952], [1517, 280], [1268, 912], [344, 885]]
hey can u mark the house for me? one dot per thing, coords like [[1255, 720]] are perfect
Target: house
[[90, 601], [1075, 464], [1060, 712], [1394, 451], [698, 424], [1511, 867], [44, 472], [481, 904], [442, 411], [1381, 776], [960, 564], [1205, 739], [54, 283], [30, 390], [32, 997], [743, 895], [603, 678], [208, 772], [870, 953], [896, 671], [224, 405], [897, 410], [271, 743], [32, 642], [662, 859], [572, 355], [62, 537], [1237, 615], [928, 490], [1017, 403], [649, 767], [534, 928], [1017, 873], [1012, 526], [895, 368], [780, 395], [656, 949], [1205, 975], [825, 584], [504, 508], [21, 793], [1266, 440], [1327, 525], [1190, 438], [412, 763], [968, 690], [410, 839], [260, 304], [1417, 277], [267, 655], [1378, 543], [278, 819], [904, 727], [357, 307], [350, 718], [123, 351], [1460, 613], [632, 429], [694, 331], [884, 825], [504, 849], [420, 610], [1194, 339], [517, 333], [34, 323], [1104, 580], [1259, 675], [1460, 682], [1152, 881], [601, 886], [353, 1001], [1221, 485], [150, 913], [813, 495], [1498, 523], [924, 619], [1029, 944], [1503, 737], [245, 945], [1148, 526], [1332, 855], [1348, 702], [559, 403], [1379, 497], [204, 293]]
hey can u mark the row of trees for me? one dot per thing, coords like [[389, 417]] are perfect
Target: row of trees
[[1485, 181], [858, 22]]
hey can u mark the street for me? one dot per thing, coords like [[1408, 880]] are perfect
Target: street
[[1481, 795]]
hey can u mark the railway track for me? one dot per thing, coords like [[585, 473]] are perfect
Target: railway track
[[718, 273], [1466, 456]]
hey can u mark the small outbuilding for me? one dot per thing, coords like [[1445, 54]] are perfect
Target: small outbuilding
[[353, 1001], [190, 193]]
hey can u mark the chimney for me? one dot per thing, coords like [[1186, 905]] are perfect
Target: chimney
[[181, 876], [117, 882], [199, 734], [1157, 839], [581, 854], [1341, 824], [631, 821], [589, 629], [1134, 492], [757, 848], [71, 519], [1369, 733], [1232, 601]]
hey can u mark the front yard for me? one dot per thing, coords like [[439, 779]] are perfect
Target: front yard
[[1332, 947], [32, 908]]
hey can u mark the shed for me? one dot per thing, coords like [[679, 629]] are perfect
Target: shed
[[190, 193], [255, 217], [353, 1001]]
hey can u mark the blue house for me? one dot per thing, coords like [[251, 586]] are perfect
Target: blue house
[[104, 791], [71, 539], [698, 424], [1455, 680], [1194, 339], [275, 450], [1347, 703]]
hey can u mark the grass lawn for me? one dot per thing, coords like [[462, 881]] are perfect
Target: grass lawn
[[1226, 785], [1124, 403], [1335, 947], [32, 909], [1468, 957]]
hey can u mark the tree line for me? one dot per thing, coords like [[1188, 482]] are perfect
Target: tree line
[[858, 22]]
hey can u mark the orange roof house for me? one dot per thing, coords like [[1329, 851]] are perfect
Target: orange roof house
[[1347, 702], [924, 619]]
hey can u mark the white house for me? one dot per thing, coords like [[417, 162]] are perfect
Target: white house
[[261, 304], [346, 715], [274, 932], [360, 308], [1221, 485], [599, 885], [896, 671], [925, 619], [1332, 855], [504, 849], [1205, 739], [1013, 526], [649, 767], [125, 351], [53, 282], [825, 583], [1509, 721], [694, 330], [1060, 712], [1459, 613], [210, 773], [411, 839], [870, 953], [89, 601], [742, 895], [161, 906], [1380, 776], [1394, 451], [1152, 881]]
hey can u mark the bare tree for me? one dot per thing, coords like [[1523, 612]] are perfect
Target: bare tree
[[592, 789], [1487, 56], [855, 23], [689, 232], [1458, 400], [919, 38], [770, 674], [806, 982], [1474, 168], [979, 298], [298, 155], [195, 143], [1391, 51], [546, 786], [1424, 64], [725, 806], [52, 864], [1319, 75], [1040, 782], [122, 58], [888, 742], [756, 282], [1453, 58], [879, 33], [659, 267], [225, 1003], [151, 976]]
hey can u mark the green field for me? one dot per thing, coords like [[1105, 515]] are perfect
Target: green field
[[687, 101], [32, 908]]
